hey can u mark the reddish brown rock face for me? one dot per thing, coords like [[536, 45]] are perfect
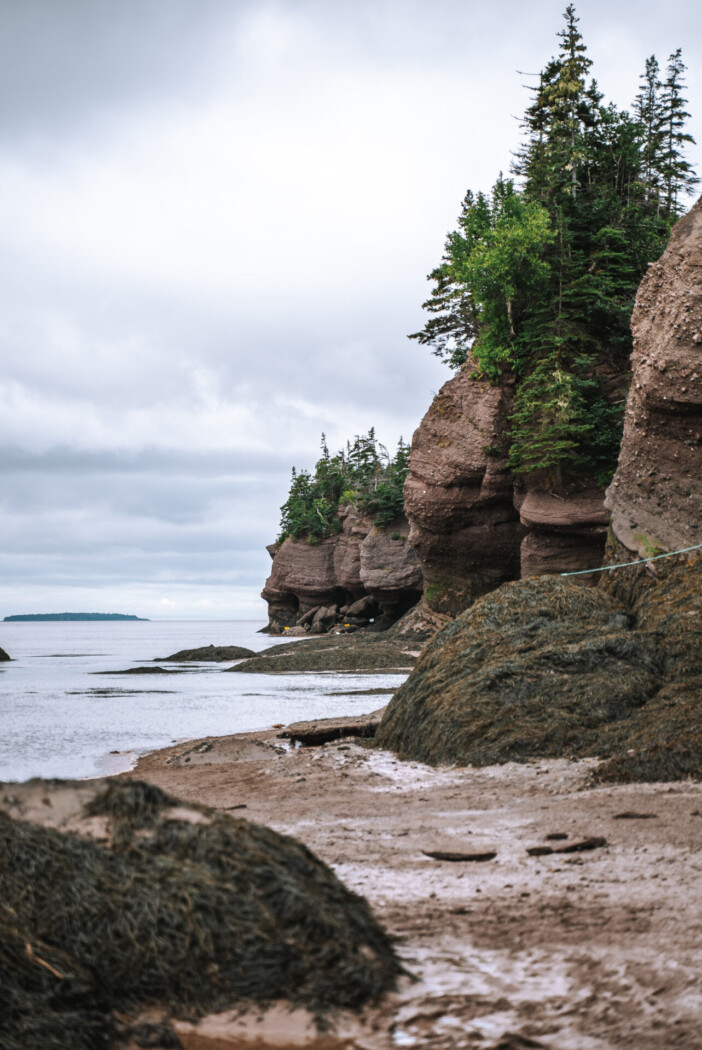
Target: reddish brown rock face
[[458, 496], [473, 524], [337, 572], [656, 494], [567, 531], [302, 577]]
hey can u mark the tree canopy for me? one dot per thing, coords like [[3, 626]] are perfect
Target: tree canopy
[[362, 475], [538, 280]]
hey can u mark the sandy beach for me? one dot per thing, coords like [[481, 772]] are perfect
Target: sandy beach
[[577, 949]]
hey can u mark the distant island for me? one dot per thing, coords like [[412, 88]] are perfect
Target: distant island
[[72, 616]]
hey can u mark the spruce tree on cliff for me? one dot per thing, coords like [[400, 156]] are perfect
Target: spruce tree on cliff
[[363, 476], [538, 280]]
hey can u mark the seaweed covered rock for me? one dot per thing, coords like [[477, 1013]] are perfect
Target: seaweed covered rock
[[358, 653], [208, 653], [655, 496], [185, 909], [47, 1001], [543, 667]]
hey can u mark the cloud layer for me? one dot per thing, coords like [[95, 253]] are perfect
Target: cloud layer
[[216, 219]]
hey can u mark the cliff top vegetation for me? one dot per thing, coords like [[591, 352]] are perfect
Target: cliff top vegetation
[[363, 475], [537, 283]]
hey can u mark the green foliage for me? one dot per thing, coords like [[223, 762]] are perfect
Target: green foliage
[[538, 280], [363, 475]]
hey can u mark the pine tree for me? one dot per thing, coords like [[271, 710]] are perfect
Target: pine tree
[[677, 174], [648, 110], [572, 105], [538, 280], [454, 324], [363, 475]]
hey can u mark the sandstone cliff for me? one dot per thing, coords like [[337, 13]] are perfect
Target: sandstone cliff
[[656, 494], [542, 668], [362, 573], [474, 525]]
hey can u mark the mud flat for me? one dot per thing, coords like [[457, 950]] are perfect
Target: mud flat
[[587, 948]]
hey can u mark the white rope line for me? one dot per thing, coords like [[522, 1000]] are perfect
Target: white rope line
[[627, 564]]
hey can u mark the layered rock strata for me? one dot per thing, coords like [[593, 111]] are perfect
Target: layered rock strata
[[565, 532], [656, 494], [357, 576], [458, 495], [474, 525]]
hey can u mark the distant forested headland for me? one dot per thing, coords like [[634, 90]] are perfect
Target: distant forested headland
[[72, 616]]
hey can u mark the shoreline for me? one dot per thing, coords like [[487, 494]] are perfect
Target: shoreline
[[586, 950]]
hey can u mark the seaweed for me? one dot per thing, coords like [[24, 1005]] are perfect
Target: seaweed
[[188, 910], [544, 667], [47, 1001], [360, 653]]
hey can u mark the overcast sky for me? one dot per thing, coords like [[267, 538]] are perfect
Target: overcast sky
[[216, 221]]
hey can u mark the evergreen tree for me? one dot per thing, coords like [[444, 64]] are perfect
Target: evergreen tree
[[677, 174], [648, 110], [454, 324], [538, 280], [364, 475]]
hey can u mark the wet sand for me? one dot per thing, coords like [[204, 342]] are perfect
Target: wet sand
[[569, 950]]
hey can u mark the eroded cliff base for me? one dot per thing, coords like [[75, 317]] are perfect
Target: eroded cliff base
[[361, 576]]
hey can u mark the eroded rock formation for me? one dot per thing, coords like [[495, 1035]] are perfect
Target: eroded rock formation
[[565, 532], [473, 524], [656, 494], [313, 586], [541, 668], [458, 495]]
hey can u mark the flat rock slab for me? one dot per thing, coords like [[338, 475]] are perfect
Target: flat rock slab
[[323, 730], [631, 815], [457, 857], [212, 653], [575, 847]]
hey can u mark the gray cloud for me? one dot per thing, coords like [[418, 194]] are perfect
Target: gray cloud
[[216, 219]]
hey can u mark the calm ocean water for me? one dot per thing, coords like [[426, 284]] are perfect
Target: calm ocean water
[[58, 720]]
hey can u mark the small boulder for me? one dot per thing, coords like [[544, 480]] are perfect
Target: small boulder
[[307, 618], [365, 608], [3, 655], [324, 619]]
